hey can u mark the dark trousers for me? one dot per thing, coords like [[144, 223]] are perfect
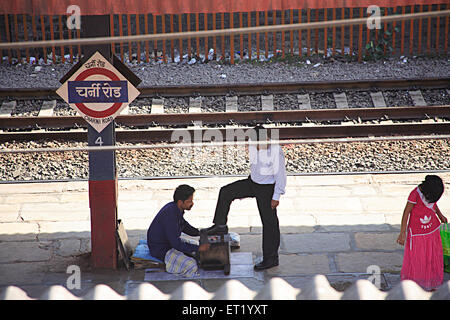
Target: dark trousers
[[263, 193]]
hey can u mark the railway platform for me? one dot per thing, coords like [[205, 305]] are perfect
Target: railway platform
[[335, 225]]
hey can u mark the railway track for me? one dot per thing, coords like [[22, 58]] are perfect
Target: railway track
[[294, 124], [302, 121], [254, 88]]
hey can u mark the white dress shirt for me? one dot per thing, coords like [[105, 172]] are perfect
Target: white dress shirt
[[267, 166]]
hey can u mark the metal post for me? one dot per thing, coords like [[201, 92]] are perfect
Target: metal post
[[102, 166]]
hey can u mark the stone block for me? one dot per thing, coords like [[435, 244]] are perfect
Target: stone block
[[9, 212], [138, 209], [32, 188], [294, 264], [64, 230], [18, 231], [251, 243], [23, 252], [31, 198], [238, 221], [377, 241], [412, 179], [398, 190], [359, 261], [323, 203], [137, 224], [69, 211], [382, 204], [78, 186], [69, 247], [444, 205], [24, 273], [394, 220], [204, 207], [200, 221], [297, 220], [82, 197], [364, 190], [351, 222], [329, 180], [330, 191], [315, 242]]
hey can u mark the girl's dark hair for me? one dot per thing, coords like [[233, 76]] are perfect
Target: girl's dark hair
[[183, 192], [432, 188]]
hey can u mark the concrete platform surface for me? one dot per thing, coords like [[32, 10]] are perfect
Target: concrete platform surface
[[335, 225]]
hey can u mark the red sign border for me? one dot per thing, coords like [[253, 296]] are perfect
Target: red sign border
[[98, 114]]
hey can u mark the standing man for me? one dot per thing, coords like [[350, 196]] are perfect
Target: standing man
[[266, 183], [163, 235]]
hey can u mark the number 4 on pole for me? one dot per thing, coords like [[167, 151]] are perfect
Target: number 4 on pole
[[99, 141]]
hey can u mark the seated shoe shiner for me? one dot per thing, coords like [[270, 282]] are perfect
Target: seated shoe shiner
[[267, 181], [163, 235]]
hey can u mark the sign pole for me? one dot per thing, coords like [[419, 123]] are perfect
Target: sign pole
[[99, 87], [103, 189]]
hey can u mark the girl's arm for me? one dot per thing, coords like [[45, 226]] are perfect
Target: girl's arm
[[402, 236], [440, 215]]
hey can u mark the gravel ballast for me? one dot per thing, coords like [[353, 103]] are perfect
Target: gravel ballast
[[305, 158], [416, 155], [319, 69]]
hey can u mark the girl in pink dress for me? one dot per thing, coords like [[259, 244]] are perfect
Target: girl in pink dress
[[423, 257]]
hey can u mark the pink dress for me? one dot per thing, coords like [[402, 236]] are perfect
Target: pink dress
[[423, 260]]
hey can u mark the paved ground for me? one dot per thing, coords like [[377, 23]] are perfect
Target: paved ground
[[336, 225]]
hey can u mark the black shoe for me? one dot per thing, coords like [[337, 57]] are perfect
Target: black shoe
[[217, 229], [266, 264]]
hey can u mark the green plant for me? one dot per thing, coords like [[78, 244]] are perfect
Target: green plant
[[380, 47]]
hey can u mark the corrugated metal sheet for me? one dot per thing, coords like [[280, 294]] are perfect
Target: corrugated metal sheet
[[94, 7], [276, 289]]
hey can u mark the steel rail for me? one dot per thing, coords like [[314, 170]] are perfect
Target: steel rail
[[225, 32], [254, 88], [241, 118], [284, 133], [226, 143], [292, 87]]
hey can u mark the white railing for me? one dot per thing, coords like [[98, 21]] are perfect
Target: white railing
[[276, 289]]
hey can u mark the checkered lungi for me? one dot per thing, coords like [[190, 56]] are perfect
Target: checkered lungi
[[178, 263]]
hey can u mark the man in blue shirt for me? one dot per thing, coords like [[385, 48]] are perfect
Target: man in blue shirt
[[165, 230]]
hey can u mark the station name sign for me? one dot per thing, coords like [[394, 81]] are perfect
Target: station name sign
[[98, 91]]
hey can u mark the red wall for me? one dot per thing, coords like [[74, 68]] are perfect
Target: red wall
[[90, 7]]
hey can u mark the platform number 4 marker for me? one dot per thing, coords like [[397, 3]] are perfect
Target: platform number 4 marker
[[99, 141]]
